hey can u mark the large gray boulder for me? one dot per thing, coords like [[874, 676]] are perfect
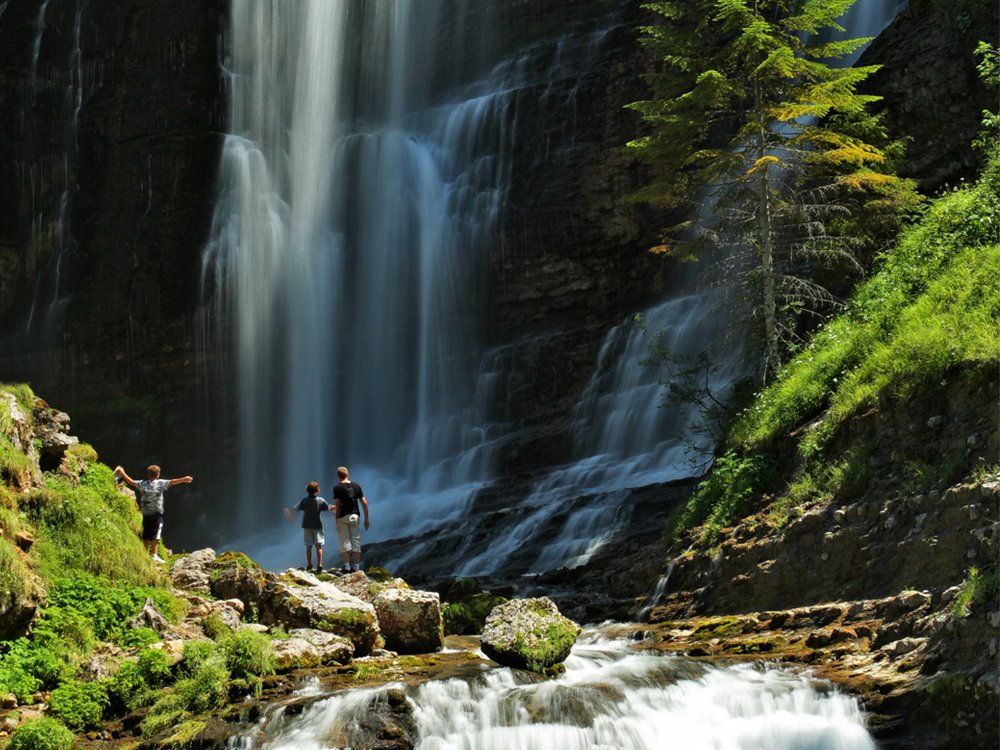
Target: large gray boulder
[[193, 572], [410, 620], [529, 634], [236, 576], [297, 599]]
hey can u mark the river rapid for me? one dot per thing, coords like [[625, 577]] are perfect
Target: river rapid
[[614, 695]]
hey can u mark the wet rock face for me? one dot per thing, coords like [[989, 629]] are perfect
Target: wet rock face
[[933, 96]]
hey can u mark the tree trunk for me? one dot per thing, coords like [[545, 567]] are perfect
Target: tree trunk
[[765, 245]]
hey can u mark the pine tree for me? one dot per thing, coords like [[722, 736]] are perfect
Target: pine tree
[[751, 117]]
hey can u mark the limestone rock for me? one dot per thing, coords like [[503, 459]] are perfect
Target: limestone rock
[[295, 653], [410, 620], [528, 634], [332, 648], [150, 617], [236, 576], [193, 572], [298, 599]]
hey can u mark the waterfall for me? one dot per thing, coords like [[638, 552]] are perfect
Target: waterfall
[[609, 697], [51, 237], [362, 186], [628, 434], [360, 198]]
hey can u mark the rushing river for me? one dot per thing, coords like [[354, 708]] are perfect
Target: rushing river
[[612, 697]]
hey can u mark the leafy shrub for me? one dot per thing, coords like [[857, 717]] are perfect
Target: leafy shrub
[[43, 733], [27, 667], [154, 666], [136, 637], [727, 494], [196, 653], [109, 605], [128, 690], [79, 704], [204, 690], [248, 654]]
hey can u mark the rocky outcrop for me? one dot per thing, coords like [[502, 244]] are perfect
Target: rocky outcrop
[[529, 634], [410, 621], [192, 572], [932, 95], [306, 648], [297, 599]]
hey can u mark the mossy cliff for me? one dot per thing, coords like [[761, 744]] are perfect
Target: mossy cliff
[[858, 494]]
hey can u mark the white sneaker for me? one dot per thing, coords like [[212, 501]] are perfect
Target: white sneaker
[[157, 558]]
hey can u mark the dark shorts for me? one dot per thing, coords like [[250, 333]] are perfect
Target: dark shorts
[[152, 525]]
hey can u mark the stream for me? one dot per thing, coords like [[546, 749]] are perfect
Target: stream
[[613, 696]]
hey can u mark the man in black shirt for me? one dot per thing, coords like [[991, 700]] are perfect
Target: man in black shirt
[[348, 498]]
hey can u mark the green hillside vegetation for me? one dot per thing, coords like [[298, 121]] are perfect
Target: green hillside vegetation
[[70, 555], [931, 312]]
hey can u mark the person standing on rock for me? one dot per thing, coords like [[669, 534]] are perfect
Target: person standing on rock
[[312, 524], [149, 495], [347, 497]]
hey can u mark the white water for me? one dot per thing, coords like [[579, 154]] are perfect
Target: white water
[[611, 698], [359, 203]]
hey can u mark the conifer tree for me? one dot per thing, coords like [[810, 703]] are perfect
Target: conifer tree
[[751, 117]]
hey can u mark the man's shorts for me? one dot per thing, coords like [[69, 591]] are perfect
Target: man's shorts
[[349, 533], [152, 526], [313, 537]]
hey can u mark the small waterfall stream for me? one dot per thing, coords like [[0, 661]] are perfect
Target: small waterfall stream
[[611, 698]]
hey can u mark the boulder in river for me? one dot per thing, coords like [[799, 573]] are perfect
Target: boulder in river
[[529, 634]]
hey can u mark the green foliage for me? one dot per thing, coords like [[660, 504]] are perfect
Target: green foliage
[[801, 149], [730, 491], [214, 626], [136, 637], [154, 666], [43, 733], [128, 689], [931, 306], [196, 653], [109, 606], [16, 581], [22, 392], [88, 527], [16, 468], [248, 653], [78, 704], [203, 690], [979, 588], [989, 71]]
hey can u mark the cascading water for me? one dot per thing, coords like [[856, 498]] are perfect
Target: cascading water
[[347, 244], [360, 199], [609, 697], [627, 434], [51, 238]]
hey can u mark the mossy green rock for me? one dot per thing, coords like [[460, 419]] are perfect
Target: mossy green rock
[[529, 634]]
